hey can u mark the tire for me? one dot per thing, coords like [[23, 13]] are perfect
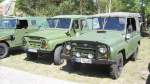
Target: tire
[[4, 50], [135, 54], [58, 60], [31, 56], [116, 69], [73, 65]]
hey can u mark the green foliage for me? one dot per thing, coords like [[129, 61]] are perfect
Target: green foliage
[[49, 8]]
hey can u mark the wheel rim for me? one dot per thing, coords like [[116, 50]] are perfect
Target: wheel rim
[[2, 51]]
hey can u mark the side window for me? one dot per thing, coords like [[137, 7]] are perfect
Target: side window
[[22, 24], [33, 22], [75, 24], [131, 25], [82, 24]]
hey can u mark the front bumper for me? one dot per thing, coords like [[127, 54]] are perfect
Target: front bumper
[[37, 50], [92, 61]]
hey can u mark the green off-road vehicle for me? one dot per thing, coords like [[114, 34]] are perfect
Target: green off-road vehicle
[[48, 41], [111, 40], [13, 29]]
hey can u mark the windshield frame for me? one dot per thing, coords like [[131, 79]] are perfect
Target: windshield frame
[[56, 24], [92, 23]]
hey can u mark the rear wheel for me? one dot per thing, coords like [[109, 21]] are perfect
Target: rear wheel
[[116, 69], [32, 56], [4, 50], [58, 59]]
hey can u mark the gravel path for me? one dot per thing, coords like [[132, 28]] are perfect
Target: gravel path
[[12, 76]]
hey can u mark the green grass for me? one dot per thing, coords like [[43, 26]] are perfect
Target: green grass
[[133, 72]]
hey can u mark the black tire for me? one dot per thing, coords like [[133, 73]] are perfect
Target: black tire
[[4, 50], [73, 65], [116, 69], [31, 56], [135, 55], [58, 60]]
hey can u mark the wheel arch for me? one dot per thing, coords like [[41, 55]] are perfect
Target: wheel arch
[[2, 41], [58, 45], [139, 42], [123, 53]]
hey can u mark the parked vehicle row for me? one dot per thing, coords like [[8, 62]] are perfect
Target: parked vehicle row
[[104, 39]]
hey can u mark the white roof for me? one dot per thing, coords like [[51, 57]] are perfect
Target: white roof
[[118, 14]]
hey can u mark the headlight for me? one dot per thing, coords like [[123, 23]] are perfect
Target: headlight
[[44, 44], [90, 56], [103, 50], [78, 54], [68, 47]]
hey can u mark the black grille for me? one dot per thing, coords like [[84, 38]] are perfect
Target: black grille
[[84, 48]]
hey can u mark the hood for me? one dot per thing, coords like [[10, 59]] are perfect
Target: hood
[[108, 37], [6, 33], [49, 34]]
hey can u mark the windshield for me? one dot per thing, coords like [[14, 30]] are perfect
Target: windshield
[[63, 23], [107, 23], [8, 23]]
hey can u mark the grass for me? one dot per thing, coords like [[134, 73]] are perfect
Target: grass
[[133, 72]]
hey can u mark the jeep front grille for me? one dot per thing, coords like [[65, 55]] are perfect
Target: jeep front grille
[[35, 42], [85, 48]]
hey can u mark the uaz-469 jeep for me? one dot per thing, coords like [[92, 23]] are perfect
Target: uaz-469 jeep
[[111, 40], [62, 28], [12, 31]]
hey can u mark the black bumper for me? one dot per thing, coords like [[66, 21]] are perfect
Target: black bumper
[[99, 61]]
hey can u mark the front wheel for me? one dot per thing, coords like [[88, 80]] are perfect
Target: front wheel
[[116, 69], [58, 60], [4, 50], [32, 56]]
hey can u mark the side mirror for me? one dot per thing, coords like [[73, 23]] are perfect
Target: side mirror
[[128, 36], [68, 33]]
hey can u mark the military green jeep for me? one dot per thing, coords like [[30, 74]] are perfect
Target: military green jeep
[[50, 40], [13, 29], [111, 40]]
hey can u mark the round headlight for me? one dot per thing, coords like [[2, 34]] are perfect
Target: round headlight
[[103, 50], [90, 56], [68, 47], [44, 44], [78, 54]]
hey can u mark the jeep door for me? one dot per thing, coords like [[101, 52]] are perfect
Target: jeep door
[[22, 30], [132, 35]]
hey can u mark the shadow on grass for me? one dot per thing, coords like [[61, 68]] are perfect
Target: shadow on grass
[[148, 79], [90, 70], [44, 59]]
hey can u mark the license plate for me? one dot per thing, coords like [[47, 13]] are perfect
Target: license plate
[[84, 60], [32, 50]]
